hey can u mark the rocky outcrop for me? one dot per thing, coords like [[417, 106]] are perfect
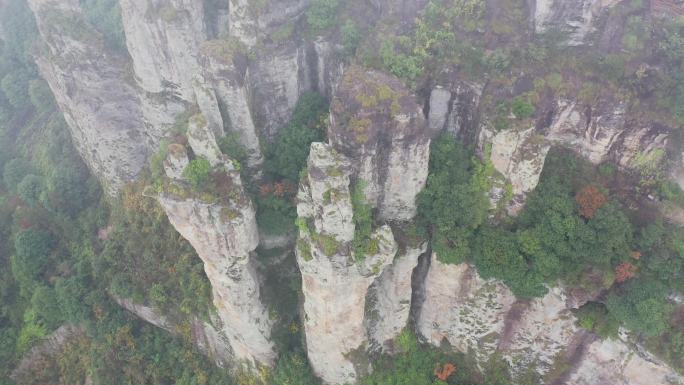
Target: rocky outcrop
[[389, 298], [463, 309], [277, 78], [519, 156], [454, 109], [249, 20], [482, 317], [575, 19], [210, 341], [51, 346], [99, 101], [599, 133], [608, 362], [221, 226], [380, 140], [163, 38], [335, 282], [380, 127]]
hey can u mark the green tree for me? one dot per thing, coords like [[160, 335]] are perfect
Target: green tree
[[322, 14], [642, 307], [287, 156], [363, 221], [15, 86], [45, 303], [454, 202], [40, 95], [522, 108], [32, 250], [14, 172], [197, 172], [30, 188]]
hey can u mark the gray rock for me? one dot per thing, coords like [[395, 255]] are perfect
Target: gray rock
[[93, 91], [224, 234], [575, 18], [380, 127]]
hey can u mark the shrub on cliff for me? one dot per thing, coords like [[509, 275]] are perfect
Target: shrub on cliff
[[197, 172], [286, 157], [322, 14], [454, 202]]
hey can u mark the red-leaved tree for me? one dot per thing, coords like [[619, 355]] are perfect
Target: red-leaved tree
[[589, 200]]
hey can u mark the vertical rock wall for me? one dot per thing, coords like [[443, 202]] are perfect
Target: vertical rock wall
[[482, 317], [334, 284], [223, 231], [379, 125], [94, 92]]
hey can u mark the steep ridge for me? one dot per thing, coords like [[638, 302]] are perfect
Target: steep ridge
[[379, 143], [93, 90], [221, 226]]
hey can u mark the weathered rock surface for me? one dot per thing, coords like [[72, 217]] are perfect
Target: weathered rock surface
[[334, 284], [163, 38], [482, 317], [92, 89], [380, 127], [249, 21], [224, 234], [576, 19], [519, 156], [600, 134], [51, 346], [389, 299], [608, 362], [463, 309], [277, 79], [454, 109]]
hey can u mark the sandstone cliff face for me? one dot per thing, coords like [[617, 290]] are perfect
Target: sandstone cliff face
[[224, 234], [379, 125], [389, 298], [608, 362], [333, 283], [483, 317], [93, 91], [602, 132], [163, 39], [249, 20], [576, 19], [355, 303]]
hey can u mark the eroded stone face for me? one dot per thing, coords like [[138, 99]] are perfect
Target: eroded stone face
[[380, 127], [335, 282], [481, 317], [608, 362], [163, 38], [389, 298], [600, 133], [575, 18], [90, 85], [463, 309], [224, 234]]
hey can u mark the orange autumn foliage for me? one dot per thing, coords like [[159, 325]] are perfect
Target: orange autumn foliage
[[590, 199], [624, 271], [279, 189], [442, 373]]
